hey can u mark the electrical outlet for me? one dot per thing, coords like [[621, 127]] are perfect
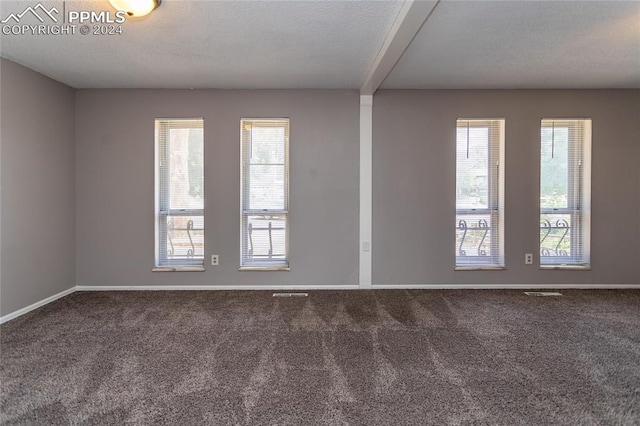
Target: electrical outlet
[[528, 259], [215, 260]]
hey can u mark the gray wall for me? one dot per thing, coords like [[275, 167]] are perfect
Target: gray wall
[[38, 187], [414, 183], [115, 184], [78, 208]]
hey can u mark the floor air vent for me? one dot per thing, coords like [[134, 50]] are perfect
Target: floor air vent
[[290, 294], [542, 293]]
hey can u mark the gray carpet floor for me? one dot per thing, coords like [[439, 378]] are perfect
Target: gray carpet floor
[[335, 357]]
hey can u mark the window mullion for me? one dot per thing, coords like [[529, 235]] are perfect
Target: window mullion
[[479, 174], [563, 230], [264, 193], [179, 146]]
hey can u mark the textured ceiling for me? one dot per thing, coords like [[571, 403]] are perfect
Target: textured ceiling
[[207, 44], [332, 44], [524, 44]]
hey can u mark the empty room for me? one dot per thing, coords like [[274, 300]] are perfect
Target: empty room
[[319, 212]]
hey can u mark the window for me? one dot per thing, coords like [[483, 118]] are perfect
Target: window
[[565, 193], [265, 194], [479, 194], [179, 193]]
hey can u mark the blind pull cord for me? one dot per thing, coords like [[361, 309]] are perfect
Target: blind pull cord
[[553, 137], [467, 139], [250, 142]]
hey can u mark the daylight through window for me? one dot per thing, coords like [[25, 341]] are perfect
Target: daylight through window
[[479, 194], [179, 192], [265, 194], [565, 192]]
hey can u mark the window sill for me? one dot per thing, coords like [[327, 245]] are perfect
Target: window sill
[[480, 268], [178, 269], [264, 268], [566, 267]]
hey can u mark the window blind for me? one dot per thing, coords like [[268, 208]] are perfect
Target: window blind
[[479, 193], [565, 192], [179, 192], [265, 193]]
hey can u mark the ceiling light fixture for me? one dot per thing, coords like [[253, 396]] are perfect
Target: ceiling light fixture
[[136, 8]]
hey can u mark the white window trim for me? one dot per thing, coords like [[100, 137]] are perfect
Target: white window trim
[[497, 160], [179, 269], [274, 265], [584, 209], [162, 263]]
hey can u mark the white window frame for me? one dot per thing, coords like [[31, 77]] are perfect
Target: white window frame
[[247, 262], [162, 208], [578, 196], [495, 260]]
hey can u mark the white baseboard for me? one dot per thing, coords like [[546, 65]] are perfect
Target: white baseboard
[[50, 299], [36, 305], [214, 287], [503, 286]]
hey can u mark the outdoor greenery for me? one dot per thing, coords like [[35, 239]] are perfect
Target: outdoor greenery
[[267, 159], [196, 163], [554, 167], [472, 165]]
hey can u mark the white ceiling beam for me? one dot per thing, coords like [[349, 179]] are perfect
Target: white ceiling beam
[[411, 17]]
